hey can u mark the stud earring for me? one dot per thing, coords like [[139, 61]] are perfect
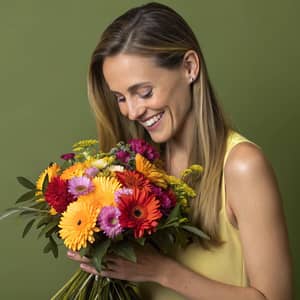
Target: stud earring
[[191, 79]]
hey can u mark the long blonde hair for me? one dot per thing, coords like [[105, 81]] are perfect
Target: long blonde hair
[[157, 31]]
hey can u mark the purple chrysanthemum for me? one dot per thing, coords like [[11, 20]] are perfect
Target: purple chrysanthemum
[[91, 172], [142, 147], [123, 156], [166, 197], [108, 220], [80, 186], [67, 156], [122, 191]]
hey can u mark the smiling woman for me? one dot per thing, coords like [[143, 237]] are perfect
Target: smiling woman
[[168, 105], [148, 79]]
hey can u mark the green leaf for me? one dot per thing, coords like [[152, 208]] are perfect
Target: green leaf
[[98, 252], [125, 250], [9, 212], [51, 246], [44, 221], [54, 247], [28, 227], [45, 183], [27, 196], [141, 241], [49, 228], [26, 183], [175, 214], [195, 231]]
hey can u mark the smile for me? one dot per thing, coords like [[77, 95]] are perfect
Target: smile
[[152, 121]]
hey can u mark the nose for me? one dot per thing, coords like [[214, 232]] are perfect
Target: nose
[[135, 109]]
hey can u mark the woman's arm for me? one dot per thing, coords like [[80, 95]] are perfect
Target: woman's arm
[[254, 197]]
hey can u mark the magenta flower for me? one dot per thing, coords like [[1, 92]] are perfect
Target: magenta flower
[[122, 191], [80, 186], [167, 199], [91, 172], [67, 156], [108, 220], [142, 147], [123, 156]]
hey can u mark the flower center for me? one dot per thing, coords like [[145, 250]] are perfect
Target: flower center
[[81, 188], [138, 212], [113, 221]]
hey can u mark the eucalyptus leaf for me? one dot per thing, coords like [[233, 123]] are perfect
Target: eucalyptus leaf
[[50, 227], [54, 247], [196, 231], [125, 250], [9, 212], [48, 247], [44, 221], [98, 252], [28, 227], [26, 183], [27, 196]]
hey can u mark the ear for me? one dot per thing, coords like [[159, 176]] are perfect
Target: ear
[[191, 65]]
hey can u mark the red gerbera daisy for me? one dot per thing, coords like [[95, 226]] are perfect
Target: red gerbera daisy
[[139, 211], [57, 194], [134, 179]]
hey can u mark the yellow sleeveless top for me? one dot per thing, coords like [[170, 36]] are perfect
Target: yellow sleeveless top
[[224, 264]]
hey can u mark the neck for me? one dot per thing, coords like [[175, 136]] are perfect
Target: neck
[[179, 148]]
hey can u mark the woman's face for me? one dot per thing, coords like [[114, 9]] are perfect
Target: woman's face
[[157, 98]]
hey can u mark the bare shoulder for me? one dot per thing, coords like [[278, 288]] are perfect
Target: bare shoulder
[[248, 172], [253, 196], [245, 158]]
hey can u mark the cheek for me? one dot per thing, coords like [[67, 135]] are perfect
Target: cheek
[[123, 109]]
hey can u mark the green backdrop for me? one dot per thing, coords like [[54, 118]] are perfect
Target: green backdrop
[[252, 52]]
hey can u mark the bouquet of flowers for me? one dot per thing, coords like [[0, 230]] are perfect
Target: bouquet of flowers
[[108, 203]]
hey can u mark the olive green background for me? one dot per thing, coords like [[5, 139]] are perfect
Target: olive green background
[[252, 53]]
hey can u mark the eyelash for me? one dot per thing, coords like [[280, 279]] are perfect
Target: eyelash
[[146, 96]]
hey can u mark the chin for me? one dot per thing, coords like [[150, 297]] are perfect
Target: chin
[[160, 138]]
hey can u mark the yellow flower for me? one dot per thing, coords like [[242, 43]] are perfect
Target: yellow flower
[[154, 174], [181, 186], [84, 144], [192, 169], [103, 162], [78, 224], [75, 170], [52, 171], [52, 211], [103, 194]]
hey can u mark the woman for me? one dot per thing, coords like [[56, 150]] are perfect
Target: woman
[[148, 79]]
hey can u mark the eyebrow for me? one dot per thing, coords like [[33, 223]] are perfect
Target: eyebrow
[[134, 87]]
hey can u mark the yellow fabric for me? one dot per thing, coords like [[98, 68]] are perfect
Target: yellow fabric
[[224, 264]]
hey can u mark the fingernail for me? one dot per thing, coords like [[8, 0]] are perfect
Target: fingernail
[[70, 253]]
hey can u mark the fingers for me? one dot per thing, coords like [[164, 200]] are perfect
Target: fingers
[[77, 257], [89, 269]]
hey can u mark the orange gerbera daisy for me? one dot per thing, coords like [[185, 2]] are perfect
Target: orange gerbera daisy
[[134, 179], [75, 170], [155, 175], [139, 211], [78, 224], [103, 193]]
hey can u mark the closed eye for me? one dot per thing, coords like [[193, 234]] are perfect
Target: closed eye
[[147, 95]]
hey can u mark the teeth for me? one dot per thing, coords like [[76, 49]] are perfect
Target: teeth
[[153, 120]]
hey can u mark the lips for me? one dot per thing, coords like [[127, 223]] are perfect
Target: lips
[[151, 121]]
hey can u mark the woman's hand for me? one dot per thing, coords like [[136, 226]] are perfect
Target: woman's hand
[[150, 266]]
